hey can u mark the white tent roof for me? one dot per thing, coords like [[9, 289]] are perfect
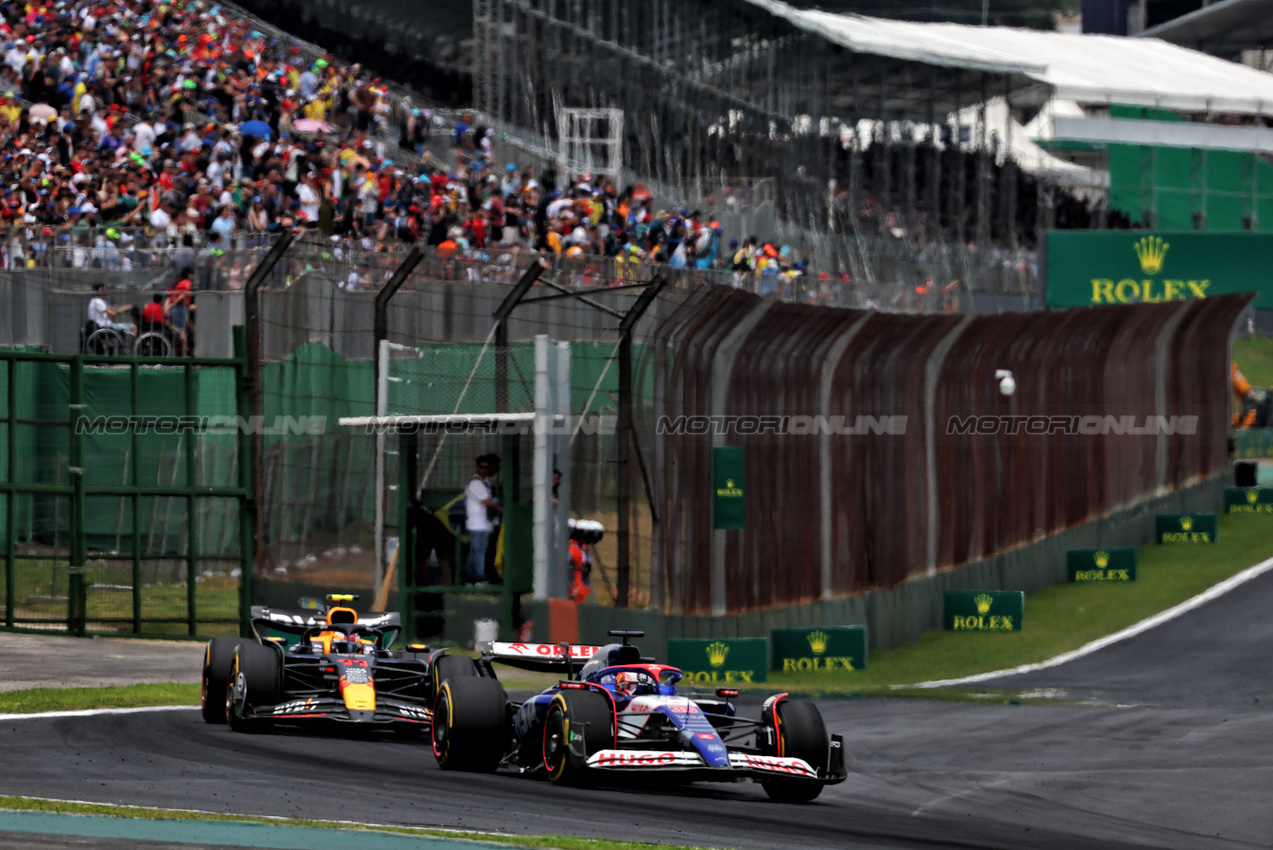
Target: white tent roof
[[1089, 69]]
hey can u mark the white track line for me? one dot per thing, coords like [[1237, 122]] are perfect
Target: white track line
[[1131, 631], [92, 712]]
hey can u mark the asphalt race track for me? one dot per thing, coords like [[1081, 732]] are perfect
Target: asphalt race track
[[1174, 749]]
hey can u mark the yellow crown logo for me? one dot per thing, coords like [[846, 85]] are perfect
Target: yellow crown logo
[[1102, 559], [1151, 250], [716, 653], [818, 642], [1252, 496], [984, 601], [1186, 522]]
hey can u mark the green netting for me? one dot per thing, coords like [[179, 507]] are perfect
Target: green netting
[[1186, 188]]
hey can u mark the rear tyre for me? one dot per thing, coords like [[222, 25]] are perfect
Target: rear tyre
[[801, 734], [578, 724], [255, 680], [470, 724], [218, 657], [451, 667]]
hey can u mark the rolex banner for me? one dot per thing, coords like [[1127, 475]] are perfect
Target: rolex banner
[[1248, 500], [819, 649], [728, 482], [1186, 528], [726, 661], [1110, 564], [1087, 268], [984, 610]]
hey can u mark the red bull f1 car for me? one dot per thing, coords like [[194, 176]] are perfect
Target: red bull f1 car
[[616, 713], [325, 666]]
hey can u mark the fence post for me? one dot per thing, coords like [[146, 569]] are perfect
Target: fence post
[[11, 496], [76, 591], [380, 351], [252, 322], [248, 510], [192, 510]]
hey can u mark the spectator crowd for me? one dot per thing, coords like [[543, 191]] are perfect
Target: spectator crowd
[[132, 126]]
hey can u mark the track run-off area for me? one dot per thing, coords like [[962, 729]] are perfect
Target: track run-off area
[[1158, 740]]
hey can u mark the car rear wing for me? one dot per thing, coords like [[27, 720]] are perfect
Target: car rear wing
[[267, 622], [541, 657]]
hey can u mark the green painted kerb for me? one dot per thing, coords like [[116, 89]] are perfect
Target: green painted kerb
[[1248, 500], [984, 610], [816, 649], [728, 661], [224, 833], [1186, 528], [1113, 563]]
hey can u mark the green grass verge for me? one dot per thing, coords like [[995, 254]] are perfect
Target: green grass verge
[[37, 804], [1059, 618], [1255, 359], [78, 699]]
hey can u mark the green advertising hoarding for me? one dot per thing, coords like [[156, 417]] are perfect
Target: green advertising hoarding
[[1252, 443], [729, 501], [1186, 528], [725, 661], [818, 649], [1087, 268], [1248, 500], [1114, 563], [984, 610]]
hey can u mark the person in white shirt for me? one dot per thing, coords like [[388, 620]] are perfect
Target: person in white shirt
[[161, 218], [477, 501], [309, 198], [143, 137], [103, 314]]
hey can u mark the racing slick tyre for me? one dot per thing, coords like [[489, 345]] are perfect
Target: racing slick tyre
[[255, 679], [470, 724], [218, 656], [578, 724], [451, 667], [800, 734]]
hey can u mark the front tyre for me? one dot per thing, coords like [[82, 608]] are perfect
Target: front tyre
[[801, 734], [218, 656], [578, 724], [470, 724], [255, 680]]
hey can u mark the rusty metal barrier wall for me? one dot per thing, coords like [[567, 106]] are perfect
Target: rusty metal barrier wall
[[1111, 391]]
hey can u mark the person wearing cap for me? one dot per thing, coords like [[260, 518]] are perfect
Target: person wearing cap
[[103, 314]]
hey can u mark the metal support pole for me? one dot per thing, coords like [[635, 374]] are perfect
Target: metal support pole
[[248, 514], [133, 389], [505, 309], [76, 591], [192, 512], [408, 558], [541, 499], [252, 321], [10, 509], [557, 583]]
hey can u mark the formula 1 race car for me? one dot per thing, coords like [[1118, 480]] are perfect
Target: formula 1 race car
[[623, 714], [329, 665]]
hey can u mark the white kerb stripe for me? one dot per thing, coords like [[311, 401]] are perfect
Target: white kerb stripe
[[1145, 625], [92, 712]]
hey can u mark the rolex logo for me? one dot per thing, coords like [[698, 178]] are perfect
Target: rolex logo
[[984, 601], [716, 653], [1252, 496], [1186, 523], [1102, 559], [1151, 250], [818, 642]]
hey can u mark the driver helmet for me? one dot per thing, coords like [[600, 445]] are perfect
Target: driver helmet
[[626, 683]]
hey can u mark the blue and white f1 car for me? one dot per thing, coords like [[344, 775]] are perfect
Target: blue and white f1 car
[[615, 712]]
